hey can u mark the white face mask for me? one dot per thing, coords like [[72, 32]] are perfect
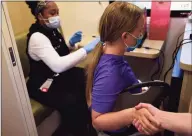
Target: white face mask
[[54, 22]]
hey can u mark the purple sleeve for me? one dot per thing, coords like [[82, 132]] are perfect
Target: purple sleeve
[[108, 84], [130, 78], [106, 87]]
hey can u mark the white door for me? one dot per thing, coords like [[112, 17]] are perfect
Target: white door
[[17, 116]]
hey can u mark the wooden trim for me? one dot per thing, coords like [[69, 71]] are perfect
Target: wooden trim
[[186, 93]]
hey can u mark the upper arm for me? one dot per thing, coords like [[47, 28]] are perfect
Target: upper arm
[[106, 88], [41, 46], [95, 114]]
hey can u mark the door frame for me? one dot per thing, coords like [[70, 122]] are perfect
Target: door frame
[[16, 72]]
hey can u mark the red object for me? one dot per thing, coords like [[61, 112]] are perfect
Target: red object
[[159, 23], [145, 18], [44, 90]]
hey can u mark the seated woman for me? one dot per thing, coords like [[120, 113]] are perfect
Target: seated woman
[[121, 26], [53, 78]]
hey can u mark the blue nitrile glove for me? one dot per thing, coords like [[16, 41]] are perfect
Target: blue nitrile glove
[[75, 38], [90, 46]]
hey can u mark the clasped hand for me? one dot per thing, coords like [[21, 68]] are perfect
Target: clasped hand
[[146, 119]]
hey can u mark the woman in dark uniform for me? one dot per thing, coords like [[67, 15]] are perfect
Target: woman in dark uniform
[[53, 79]]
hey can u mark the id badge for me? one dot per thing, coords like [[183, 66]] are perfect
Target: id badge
[[46, 85]]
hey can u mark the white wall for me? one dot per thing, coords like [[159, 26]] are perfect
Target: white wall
[[82, 16]]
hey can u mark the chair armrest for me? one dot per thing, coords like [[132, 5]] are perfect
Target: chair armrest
[[148, 84]]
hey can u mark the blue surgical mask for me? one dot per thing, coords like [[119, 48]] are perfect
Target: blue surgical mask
[[138, 42], [54, 22]]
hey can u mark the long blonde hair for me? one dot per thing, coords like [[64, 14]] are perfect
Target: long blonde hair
[[117, 18]]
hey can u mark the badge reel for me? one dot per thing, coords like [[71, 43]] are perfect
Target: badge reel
[[46, 85]]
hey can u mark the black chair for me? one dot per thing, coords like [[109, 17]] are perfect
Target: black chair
[[158, 93]]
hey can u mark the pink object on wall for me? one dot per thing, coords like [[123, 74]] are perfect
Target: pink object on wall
[[159, 23]]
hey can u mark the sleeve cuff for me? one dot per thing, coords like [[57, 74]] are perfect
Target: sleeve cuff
[[72, 48], [83, 52]]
